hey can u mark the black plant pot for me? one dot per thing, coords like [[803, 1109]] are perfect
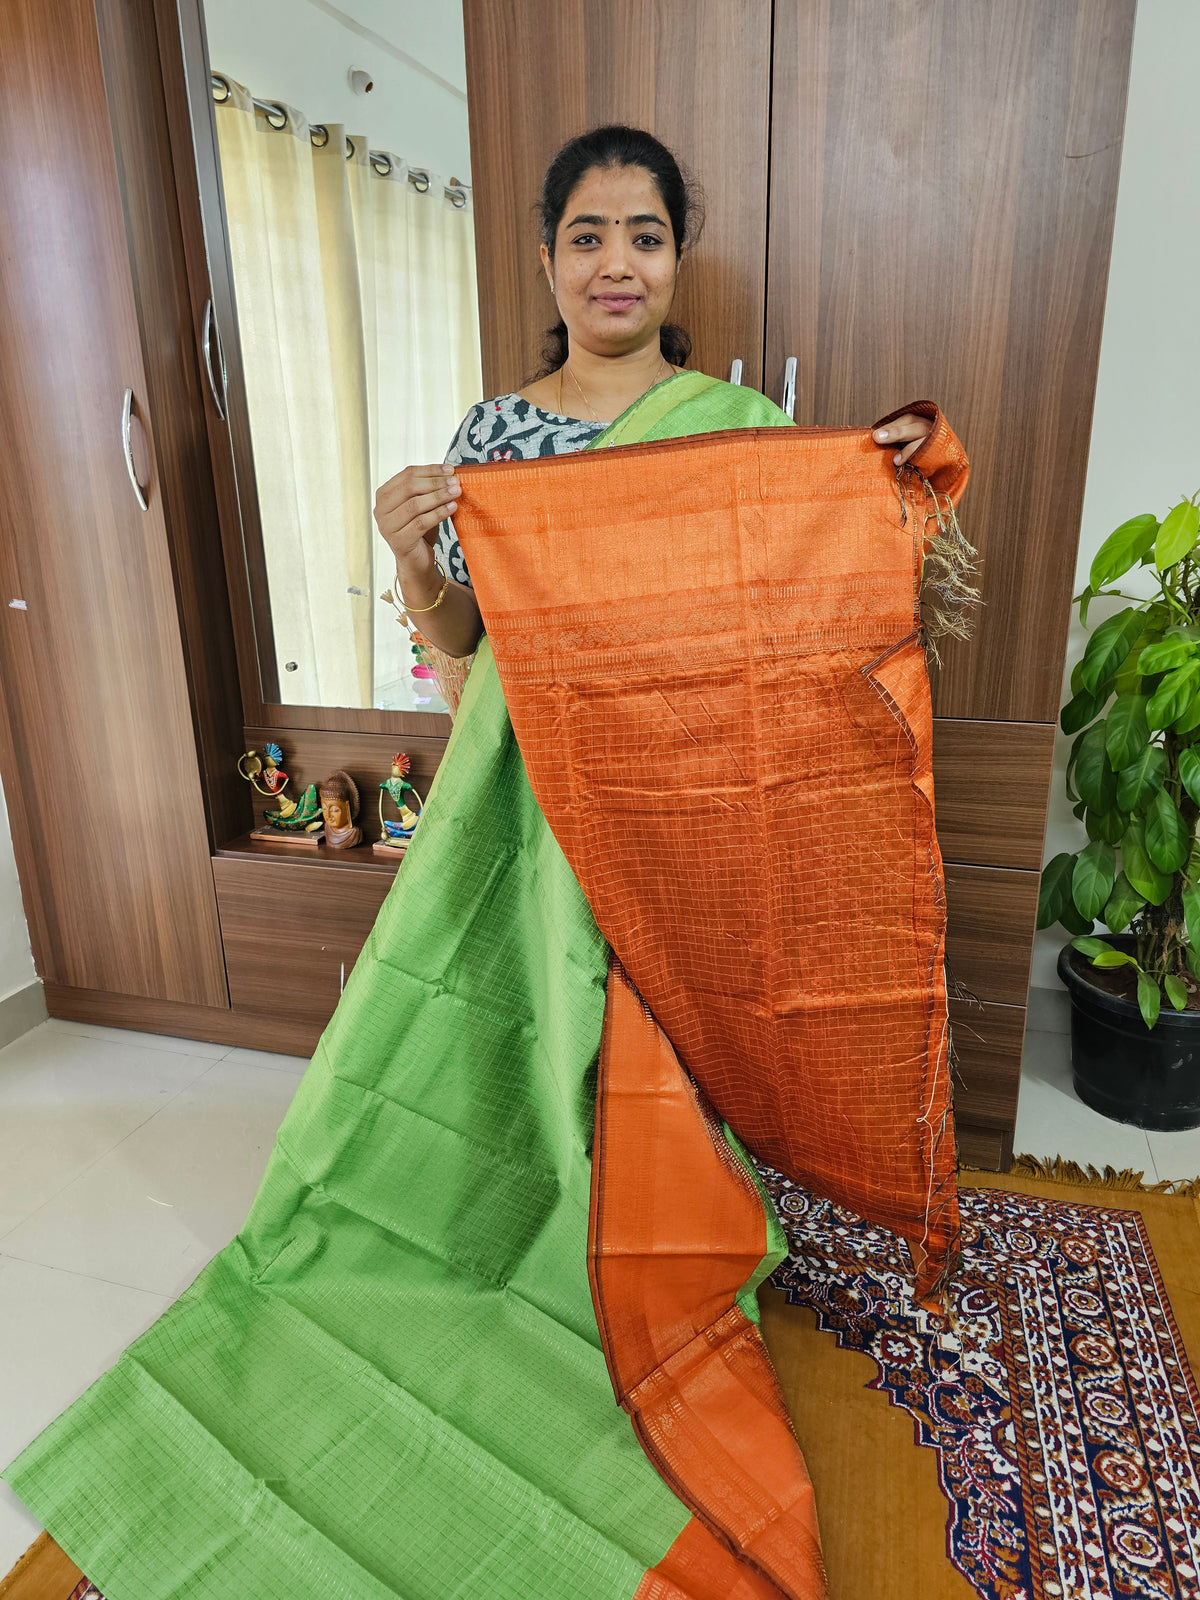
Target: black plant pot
[[1126, 1071]]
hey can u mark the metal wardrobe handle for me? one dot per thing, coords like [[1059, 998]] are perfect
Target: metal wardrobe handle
[[789, 387], [206, 343], [127, 447], [735, 371]]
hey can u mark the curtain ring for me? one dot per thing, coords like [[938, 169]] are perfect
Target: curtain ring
[[381, 161], [319, 134], [418, 179], [349, 148], [219, 82]]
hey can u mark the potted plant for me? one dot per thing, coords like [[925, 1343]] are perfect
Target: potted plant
[[1134, 779]]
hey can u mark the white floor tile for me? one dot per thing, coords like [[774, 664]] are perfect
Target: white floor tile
[[146, 1041], [68, 1330], [1176, 1155], [68, 1098], [296, 1065], [158, 1206], [18, 1529], [1053, 1121]]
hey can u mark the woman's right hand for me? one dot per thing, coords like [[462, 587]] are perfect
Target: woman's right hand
[[408, 511]]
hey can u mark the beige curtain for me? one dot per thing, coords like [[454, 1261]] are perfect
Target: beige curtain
[[360, 342]]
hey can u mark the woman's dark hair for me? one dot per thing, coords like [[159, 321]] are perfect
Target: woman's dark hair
[[619, 146]]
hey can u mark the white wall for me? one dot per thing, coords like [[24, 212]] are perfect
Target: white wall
[[16, 961], [1145, 446], [301, 50]]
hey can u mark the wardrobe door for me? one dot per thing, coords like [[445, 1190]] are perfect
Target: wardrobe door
[[696, 73], [96, 734], [943, 182]]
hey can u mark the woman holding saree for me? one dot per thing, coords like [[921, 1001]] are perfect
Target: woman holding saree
[[498, 1200], [617, 219]]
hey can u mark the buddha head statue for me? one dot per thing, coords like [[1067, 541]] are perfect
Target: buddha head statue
[[339, 806]]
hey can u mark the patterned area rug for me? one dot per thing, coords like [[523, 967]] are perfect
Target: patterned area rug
[[1060, 1401]]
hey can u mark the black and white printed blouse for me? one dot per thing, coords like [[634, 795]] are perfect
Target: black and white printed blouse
[[507, 429]]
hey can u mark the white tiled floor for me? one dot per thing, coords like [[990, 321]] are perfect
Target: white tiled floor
[[1051, 1121], [128, 1160]]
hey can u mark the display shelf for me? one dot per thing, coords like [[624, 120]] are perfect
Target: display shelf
[[357, 859]]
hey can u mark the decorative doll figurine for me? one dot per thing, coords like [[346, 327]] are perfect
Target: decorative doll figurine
[[339, 805], [395, 835], [302, 817]]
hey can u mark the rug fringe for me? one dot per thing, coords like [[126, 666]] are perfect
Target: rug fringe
[[1054, 1169]]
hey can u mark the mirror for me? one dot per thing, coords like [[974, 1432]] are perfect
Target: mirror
[[342, 140]]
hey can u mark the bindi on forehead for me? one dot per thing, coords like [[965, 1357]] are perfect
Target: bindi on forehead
[[597, 221]]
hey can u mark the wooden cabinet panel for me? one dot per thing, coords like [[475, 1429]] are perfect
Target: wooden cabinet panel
[[989, 937], [694, 72], [96, 734], [988, 1040], [943, 181], [990, 783], [292, 930]]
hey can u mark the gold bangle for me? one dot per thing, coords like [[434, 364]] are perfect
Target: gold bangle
[[441, 591]]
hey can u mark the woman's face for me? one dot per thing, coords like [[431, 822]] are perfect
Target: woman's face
[[614, 267]]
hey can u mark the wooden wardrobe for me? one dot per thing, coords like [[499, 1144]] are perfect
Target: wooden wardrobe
[[913, 200]]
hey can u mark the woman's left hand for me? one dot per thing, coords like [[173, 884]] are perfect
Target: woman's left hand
[[901, 429]]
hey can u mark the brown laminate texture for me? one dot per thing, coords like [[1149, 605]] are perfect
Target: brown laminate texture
[[943, 182], [292, 934], [129, 50], [249, 1030], [696, 74], [989, 937], [989, 1149], [97, 744], [991, 781], [184, 67], [987, 1044]]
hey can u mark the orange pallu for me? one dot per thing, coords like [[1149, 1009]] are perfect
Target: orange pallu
[[711, 654]]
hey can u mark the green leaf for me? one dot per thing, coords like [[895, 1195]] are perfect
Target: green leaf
[[1107, 825], [1109, 645], [1078, 712], [1145, 877], [1167, 836], [1094, 776], [1173, 696], [1122, 548], [1176, 991], [1127, 731], [1189, 771], [1167, 653], [1192, 957], [1149, 999], [1114, 958], [1092, 880], [1055, 893], [1091, 947], [1123, 905], [1138, 781], [1179, 532], [1191, 914], [1078, 810], [1073, 922], [1085, 599], [1190, 720]]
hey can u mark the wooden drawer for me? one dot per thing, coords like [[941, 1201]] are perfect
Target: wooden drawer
[[290, 929], [989, 938], [991, 781]]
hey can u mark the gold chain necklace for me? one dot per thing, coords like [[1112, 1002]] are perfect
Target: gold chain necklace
[[661, 363]]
